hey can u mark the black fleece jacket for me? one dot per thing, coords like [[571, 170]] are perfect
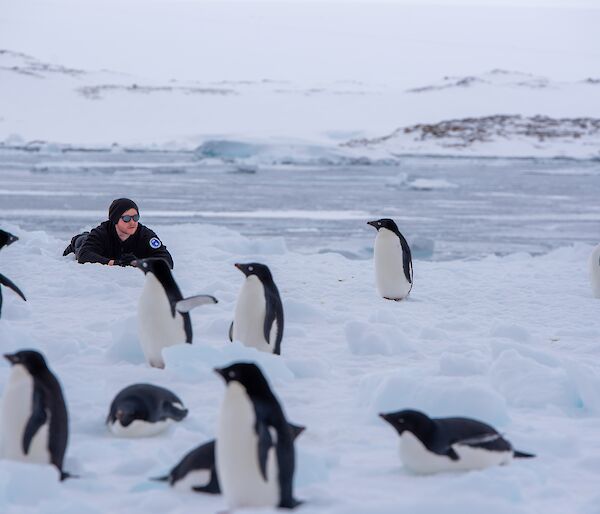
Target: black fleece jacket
[[103, 244]]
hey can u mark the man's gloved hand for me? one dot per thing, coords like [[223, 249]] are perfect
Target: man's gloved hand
[[126, 259]]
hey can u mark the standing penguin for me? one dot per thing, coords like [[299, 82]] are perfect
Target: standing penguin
[[258, 319], [197, 470], [393, 261], [255, 446], [163, 318], [34, 425], [143, 410], [429, 445], [6, 238], [594, 266]]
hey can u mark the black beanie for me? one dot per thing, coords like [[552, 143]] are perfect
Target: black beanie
[[118, 207]]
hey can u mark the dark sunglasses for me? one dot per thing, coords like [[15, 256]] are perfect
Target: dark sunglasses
[[127, 218]]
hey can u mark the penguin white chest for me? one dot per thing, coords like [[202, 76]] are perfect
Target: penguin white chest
[[237, 461], [139, 428], [389, 269], [418, 459], [17, 403], [157, 327], [250, 311], [594, 266]]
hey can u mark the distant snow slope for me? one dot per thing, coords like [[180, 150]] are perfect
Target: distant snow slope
[[289, 74], [512, 341], [539, 136]]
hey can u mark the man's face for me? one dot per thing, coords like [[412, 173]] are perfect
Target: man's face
[[128, 227]]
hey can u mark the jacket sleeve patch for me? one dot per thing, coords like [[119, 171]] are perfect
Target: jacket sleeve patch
[[155, 243]]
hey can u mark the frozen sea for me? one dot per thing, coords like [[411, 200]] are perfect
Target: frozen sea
[[448, 208]]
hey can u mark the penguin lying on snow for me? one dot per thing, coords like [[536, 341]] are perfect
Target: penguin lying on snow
[[431, 445], [258, 319], [163, 318], [6, 238], [393, 261], [143, 410], [197, 470], [255, 447], [34, 425]]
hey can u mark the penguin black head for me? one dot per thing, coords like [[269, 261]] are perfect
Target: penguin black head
[[127, 412], [152, 264], [410, 420], [33, 361], [384, 223], [6, 238], [249, 375], [255, 268]]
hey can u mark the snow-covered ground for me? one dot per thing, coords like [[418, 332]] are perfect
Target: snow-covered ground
[[512, 341], [290, 75]]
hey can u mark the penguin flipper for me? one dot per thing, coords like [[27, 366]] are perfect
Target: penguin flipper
[[231, 332], [272, 328], [286, 464], [36, 420], [187, 304], [492, 441], [173, 412], [8, 283], [265, 442], [406, 258]]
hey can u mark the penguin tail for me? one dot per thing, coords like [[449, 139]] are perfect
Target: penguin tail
[[522, 455], [64, 475]]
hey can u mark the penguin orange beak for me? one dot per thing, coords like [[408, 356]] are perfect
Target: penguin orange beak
[[238, 266]]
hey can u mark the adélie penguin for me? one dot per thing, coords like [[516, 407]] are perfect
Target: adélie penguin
[[197, 469], [258, 319], [34, 425], [163, 313], [393, 261], [6, 238], [431, 445], [144, 410], [254, 447]]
